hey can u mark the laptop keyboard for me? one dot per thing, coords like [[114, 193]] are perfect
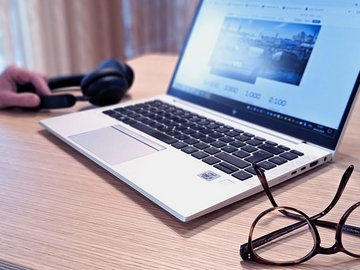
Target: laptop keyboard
[[226, 148]]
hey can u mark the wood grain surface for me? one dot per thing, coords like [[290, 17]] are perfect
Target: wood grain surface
[[58, 210]]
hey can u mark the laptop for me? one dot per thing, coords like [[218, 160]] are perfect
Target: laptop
[[266, 82]]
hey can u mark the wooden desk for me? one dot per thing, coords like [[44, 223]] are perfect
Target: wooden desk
[[58, 210]]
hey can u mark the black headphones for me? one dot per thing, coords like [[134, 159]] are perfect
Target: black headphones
[[104, 86]]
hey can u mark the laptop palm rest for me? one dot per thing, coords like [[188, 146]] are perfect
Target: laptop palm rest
[[116, 144]]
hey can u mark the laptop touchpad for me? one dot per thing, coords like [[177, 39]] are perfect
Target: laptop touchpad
[[116, 144]]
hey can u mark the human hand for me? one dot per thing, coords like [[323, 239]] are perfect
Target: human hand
[[13, 75]]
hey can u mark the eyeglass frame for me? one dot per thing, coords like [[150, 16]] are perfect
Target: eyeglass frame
[[247, 252]]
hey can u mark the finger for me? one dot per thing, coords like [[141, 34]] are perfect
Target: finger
[[43, 76], [23, 75], [11, 99]]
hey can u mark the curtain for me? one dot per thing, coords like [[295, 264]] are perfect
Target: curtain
[[63, 36], [70, 36], [156, 25]]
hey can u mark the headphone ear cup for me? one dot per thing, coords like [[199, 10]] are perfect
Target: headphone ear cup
[[108, 84], [125, 69], [105, 90]]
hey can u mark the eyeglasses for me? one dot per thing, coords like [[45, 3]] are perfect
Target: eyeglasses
[[294, 228]]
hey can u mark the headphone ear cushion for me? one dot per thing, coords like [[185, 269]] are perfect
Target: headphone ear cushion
[[125, 69], [104, 86], [106, 90]]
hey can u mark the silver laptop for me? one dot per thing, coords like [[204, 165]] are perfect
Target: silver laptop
[[266, 82]]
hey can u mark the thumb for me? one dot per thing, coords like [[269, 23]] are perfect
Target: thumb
[[21, 100]]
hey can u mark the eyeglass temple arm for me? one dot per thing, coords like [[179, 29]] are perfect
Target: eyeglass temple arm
[[333, 225], [343, 182], [345, 178], [262, 178]]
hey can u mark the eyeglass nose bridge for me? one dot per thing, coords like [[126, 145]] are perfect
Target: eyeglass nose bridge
[[335, 248]]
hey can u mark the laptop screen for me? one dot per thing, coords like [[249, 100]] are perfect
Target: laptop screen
[[291, 66]]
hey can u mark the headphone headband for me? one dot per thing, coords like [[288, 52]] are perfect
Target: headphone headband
[[65, 81], [104, 86], [54, 83]]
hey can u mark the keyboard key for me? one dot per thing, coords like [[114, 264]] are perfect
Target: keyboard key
[[201, 146], [172, 133], [191, 141], [271, 149], [121, 110], [200, 155], [271, 143], [211, 160], [180, 128], [241, 154], [284, 147], [156, 125], [249, 148], [260, 138], [198, 135], [204, 122], [222, 129], [111, 113], [232, 133], [179, 145], [212, 126], [226, 167], [189, 131], [198, 127], [218, 144], [278, 160], [216, 135], [226, 139], [267, 165], [237, 144], [243, 138], [131, 122], [182, 137], [229, 149], [207, 139], [249, 134], [254, 142], [258, 156], [212, 150], [289, 156], [207, 131], [250, 170], [297, 153], [189, 149], [241, 175], [233, 160]]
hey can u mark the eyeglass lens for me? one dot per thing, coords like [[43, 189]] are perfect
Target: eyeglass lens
[[291, 246]]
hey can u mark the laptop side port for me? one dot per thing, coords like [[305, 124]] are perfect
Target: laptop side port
[[313, 164]]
